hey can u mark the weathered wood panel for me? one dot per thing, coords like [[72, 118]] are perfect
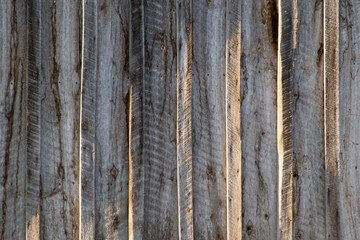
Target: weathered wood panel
[[179, 119], [13, 75], [258, 119]]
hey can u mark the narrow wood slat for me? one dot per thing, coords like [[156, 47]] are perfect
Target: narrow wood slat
[[232, 105], [284, 118], [184, 120], [87, 120], [331, 101], [34, 116], [258, 119]]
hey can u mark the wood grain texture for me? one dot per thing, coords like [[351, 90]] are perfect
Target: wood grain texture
[[13, 63], [258, 119], [233, 144], [348, 180], [60, 97], [112, 117], [153, 204]]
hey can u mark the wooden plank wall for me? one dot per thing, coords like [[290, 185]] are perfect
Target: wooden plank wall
[[180, 119]]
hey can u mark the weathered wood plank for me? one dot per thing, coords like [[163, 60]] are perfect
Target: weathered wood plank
[[209, 119], [34, 117], [87, 120], [233, 144], [153, 205], [258, 119], [284, 118], [302, 191], [308, 122], [13, 62], [331, 108], [184, 120], [349, 129], [60, 95], [303, 199], [112, 129]]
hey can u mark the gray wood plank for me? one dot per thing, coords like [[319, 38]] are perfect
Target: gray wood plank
[[34, 116], [153, 205], [184, 120], [59, 141], [13, 74], [233, 144], [87, 120], [284, 118], [209, 119], [258, 119], [308, 122], [348, 179], [302, 192], [112, 118]]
